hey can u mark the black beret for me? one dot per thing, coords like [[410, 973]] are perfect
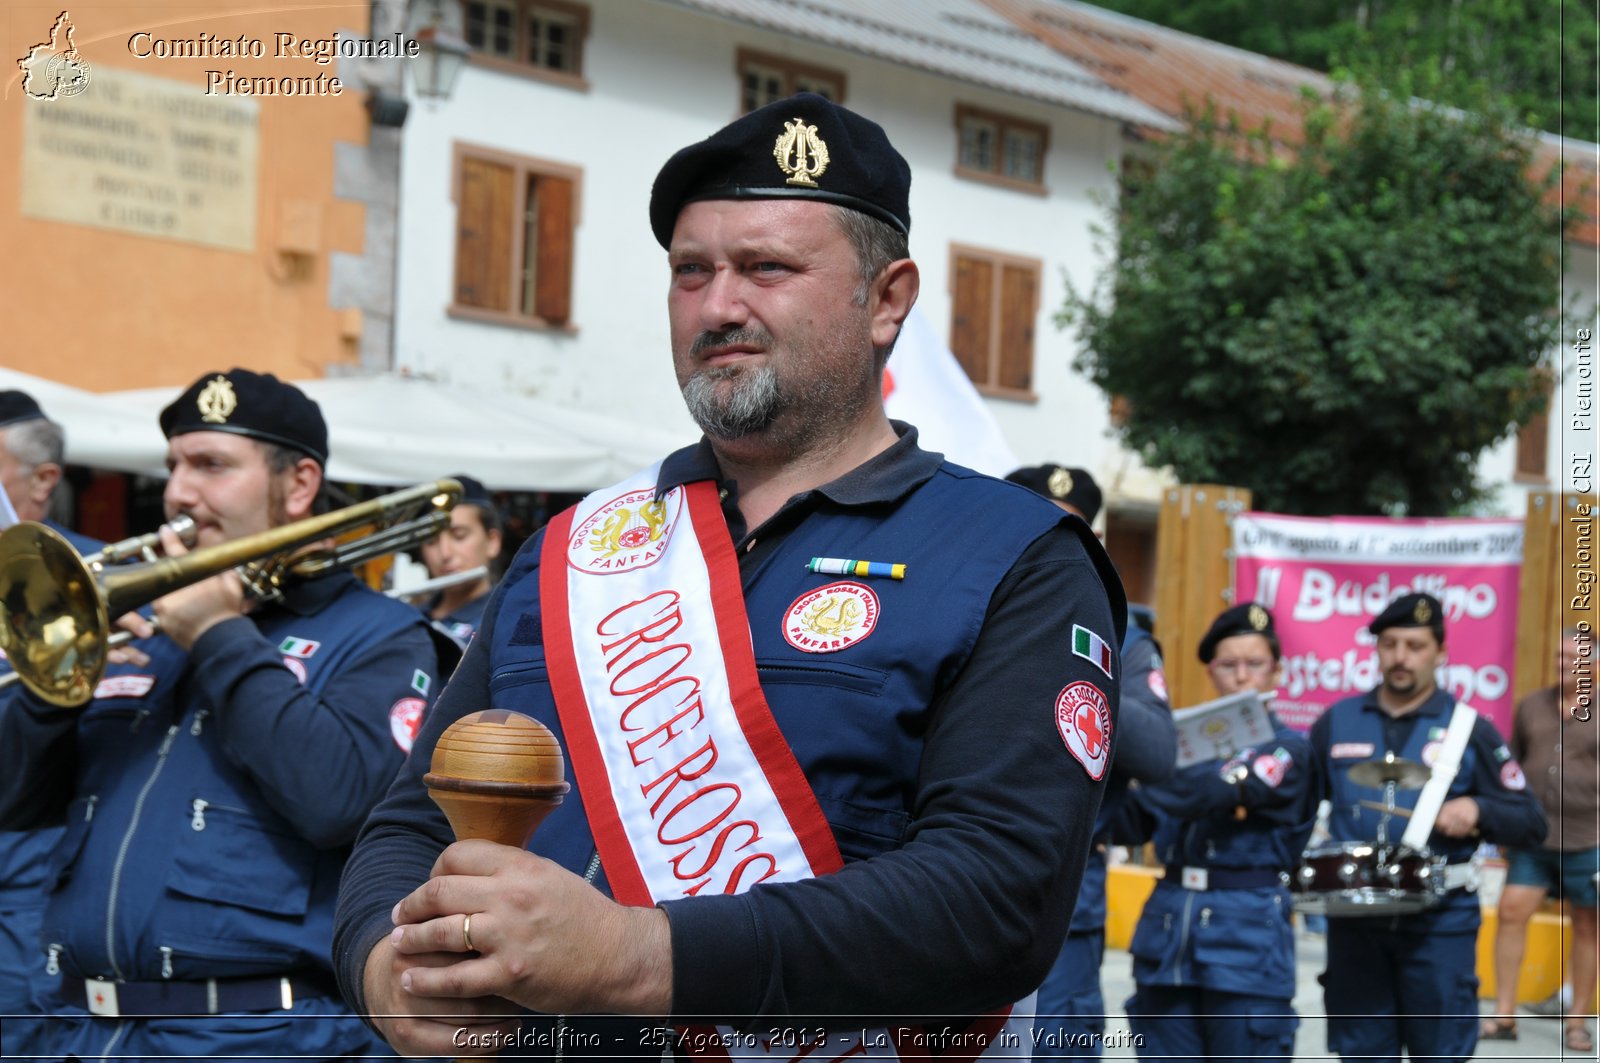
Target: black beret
[[472, 491], [258, 405], [804, 147], [1058, 483], [18, 406], [1411, 610], [1246, 619]]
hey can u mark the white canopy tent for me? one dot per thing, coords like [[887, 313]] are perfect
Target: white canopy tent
[[100, 434], [386, 429], [395, 429]]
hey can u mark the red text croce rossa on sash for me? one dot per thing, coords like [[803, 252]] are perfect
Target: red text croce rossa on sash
[[689, 786]]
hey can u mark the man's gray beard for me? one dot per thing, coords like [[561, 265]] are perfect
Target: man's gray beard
[[752, 403]]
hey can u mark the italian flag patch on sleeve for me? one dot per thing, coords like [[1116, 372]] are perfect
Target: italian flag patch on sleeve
[[1092, 648]]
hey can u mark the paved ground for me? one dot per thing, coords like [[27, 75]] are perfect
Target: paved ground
[[1539, 1039]]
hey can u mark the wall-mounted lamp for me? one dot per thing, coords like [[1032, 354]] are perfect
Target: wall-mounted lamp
[[443, 52]]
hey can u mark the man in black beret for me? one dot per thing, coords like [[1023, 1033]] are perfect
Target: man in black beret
[[859, 652], [470, 544], [212, 788], [1402, 980]]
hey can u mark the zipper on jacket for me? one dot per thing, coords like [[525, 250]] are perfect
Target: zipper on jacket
[[1183, 937], [122, 853], [589, 872]]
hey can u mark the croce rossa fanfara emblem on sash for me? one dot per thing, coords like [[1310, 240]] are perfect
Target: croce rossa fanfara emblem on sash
[[801, 153], [629, 532]]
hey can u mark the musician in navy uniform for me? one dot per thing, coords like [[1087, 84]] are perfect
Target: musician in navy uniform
[[1407, 982], [32, 450], [1071, 1008], [213, 785], [1213, 952], [472, 541], [888, 733]]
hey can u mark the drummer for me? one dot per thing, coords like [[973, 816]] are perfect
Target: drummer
[[1213, 953], [1407, 981]]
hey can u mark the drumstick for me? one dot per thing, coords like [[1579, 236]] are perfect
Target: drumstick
[[1381, 807]]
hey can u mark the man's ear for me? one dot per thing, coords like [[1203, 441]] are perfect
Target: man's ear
[[42, 482], [305, 481], [894, 293]]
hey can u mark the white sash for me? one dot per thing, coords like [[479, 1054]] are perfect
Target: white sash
[[1445, 765], [689, 785]]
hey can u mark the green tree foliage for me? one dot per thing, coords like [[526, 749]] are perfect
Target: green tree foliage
[[1538, 55], [1343, 331]]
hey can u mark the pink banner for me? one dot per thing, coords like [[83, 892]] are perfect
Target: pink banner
[[1325, 578]]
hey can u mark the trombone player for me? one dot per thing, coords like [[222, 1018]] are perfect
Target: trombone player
[[212, 788]]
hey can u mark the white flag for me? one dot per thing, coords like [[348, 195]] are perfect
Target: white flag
[[925, 385]]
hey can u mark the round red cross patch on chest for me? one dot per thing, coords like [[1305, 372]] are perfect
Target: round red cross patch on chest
[[830, 618], [1084, 719]]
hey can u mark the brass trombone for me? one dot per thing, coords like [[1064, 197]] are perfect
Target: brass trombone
[[56, 608]]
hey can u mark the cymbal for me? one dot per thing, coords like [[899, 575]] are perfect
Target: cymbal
[[1405, 774]]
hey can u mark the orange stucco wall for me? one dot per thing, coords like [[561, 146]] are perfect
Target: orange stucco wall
[[105, 309]]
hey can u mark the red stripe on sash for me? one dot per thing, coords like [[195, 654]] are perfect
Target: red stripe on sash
[[772, 752], [622, 872]]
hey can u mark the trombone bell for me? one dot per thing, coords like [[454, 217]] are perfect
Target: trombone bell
[[54, 617]]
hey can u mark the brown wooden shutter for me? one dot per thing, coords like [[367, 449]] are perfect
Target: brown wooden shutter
[[970, 316], [483, 235], [552, 291], [1533, 438], [1019, 302]]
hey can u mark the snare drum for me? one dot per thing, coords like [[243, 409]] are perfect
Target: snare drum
[[1364, 878]]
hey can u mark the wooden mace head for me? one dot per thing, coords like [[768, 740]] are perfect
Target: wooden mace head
[[497, 774]]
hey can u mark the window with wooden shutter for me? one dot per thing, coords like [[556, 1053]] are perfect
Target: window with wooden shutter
[[542, 38], [1001, 149], [994, 301], [516, 219], [765, 78]]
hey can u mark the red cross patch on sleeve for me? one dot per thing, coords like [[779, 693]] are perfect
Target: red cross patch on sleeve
[[1083, 717], [1511, 776], [405, 721]]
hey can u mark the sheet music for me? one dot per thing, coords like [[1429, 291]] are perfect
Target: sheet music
[[1216, 730]]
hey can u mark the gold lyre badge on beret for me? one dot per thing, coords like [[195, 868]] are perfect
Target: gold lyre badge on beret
[[1258, 618], [801, 153], [217, 400], [1422, 614], [1060, 483]]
